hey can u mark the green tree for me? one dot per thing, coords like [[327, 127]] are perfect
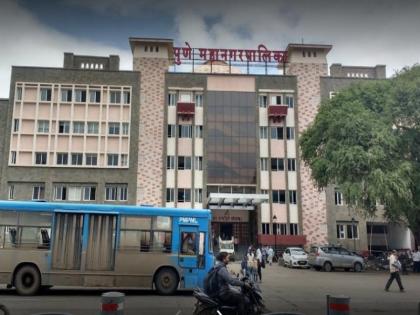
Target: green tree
[[366, 140]]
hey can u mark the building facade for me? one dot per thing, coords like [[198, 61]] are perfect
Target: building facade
[[217, 137]]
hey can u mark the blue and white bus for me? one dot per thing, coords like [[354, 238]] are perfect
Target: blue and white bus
[[102, 245]]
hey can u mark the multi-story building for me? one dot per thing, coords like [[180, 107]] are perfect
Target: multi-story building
[[71, 132], [212, 134]]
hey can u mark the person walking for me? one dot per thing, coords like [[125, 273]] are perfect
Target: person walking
[[416, 261], [252, 266], [270, 255], [244, 266], [259, 257], [394, 268]]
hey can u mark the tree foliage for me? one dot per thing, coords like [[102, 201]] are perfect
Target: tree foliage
[[366, 140]]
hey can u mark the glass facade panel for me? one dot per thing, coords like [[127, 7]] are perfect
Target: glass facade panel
[[231, 146]]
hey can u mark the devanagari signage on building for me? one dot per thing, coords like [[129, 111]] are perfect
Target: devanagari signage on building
[[262, 54]]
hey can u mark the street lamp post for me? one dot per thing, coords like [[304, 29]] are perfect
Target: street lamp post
[[275, 235], [353, 226]]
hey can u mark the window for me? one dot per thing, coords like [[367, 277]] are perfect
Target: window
[[126, 97], [18, 93], [63, 127], [264, 192], [114, 128], [125, 128], [290, 131], [277, 133], [291, 165], [279, 196], [199, 100], [277, 164], [377, 229], [92, 127], [77, 159], [13, 157], [264, 164], [198, 195], [189, 244], [94, 96], [294, 230], [184, 162], [115, 97], [185, 97], [292, 197], [16, 124], [40, 158], [74, 193], [124, 159], [170, 162], [66, 95], [171, 131], [352, 232], [263, 132], [170, 194], [62, 158], [341, 234], [60, 192], [78, 127], [135, 233], [45, 94], [38, 192], [91, 159], [275, 100], [112, 159], [184, 195], [199, 131], [89, 193], [172, 99], [11, 192], [339, 201], [198, 163], [265, 228], [290, 101], [80, 96], [185, 131], [280, 228], [43, 126], [116, 192], [262, 101]]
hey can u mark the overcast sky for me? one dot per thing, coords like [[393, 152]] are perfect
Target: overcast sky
[[370, 32]]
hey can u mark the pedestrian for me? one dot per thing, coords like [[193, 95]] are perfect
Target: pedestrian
[[416, 260], [244, 266], [252, 265], [394, 269], [270, 255], [404, 259], [259, 263]]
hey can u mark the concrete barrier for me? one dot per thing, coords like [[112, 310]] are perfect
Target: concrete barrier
[[112, 303], [338, 305]]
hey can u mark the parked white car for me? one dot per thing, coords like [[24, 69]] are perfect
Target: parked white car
[[295, 257]]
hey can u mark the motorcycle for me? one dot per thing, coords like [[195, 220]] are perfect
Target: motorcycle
[[206, 305]]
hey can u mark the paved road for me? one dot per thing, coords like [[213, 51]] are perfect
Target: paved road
[[284, 290]]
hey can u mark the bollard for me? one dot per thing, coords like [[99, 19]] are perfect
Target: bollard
[[338, 305], [112, 303]]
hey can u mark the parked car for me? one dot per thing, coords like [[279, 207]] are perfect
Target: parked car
[[330, 257], [295, 257]]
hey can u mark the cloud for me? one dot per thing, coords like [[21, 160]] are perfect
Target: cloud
[[27, 42]]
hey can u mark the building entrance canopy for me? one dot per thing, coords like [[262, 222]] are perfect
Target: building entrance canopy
[[235, 201]]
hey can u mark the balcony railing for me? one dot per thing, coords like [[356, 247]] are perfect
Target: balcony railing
[[185, 108], [277, 111], [283, 240]]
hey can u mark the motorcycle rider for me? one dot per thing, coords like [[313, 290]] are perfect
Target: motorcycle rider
[[221, 285]]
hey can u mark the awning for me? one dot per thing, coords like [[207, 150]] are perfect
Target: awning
[[235, 201]]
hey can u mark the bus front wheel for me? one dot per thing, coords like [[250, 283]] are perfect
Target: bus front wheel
[[166, 281], [27, 280]]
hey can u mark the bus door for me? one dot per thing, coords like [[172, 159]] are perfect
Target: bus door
[[188, 254], [67, 241], [100, 252]]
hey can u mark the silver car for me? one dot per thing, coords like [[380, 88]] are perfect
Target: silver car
[[295, 257], [330, 257]]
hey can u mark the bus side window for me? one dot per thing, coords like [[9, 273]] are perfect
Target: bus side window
[[201, 250], [188, 244]]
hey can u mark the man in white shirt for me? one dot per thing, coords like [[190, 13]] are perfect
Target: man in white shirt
[[394, 268], [416, 260], [259, 260]]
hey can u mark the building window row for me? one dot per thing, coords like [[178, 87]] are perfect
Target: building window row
[[347, 230], [184, 195], [263, 100], [277, 164], [279, 196], [187, 97], [280, 229], [184, 162], [277, 133], [91, 159], [185, 131]]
